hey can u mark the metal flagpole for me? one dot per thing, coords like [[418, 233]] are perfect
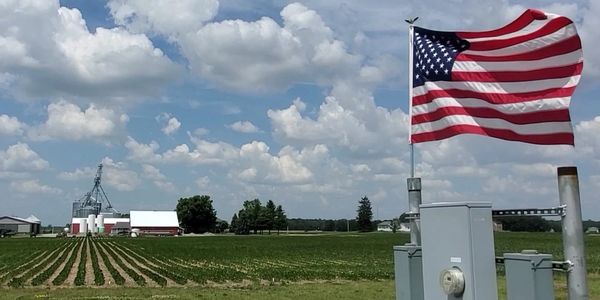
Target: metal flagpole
[[413, 183]]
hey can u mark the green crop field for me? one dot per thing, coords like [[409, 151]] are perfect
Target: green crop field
[[229, 266]]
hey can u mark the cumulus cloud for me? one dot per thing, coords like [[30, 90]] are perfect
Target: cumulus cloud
[[11, 125], [20, 158], [48, 50], [160, 180], [169, 18], [33, 186], [118, 176], [243, 126], [348, 119], [86, 173], [169, 123], [69, 121], [274, 56]]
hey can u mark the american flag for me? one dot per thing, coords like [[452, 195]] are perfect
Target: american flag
[[514, 83]]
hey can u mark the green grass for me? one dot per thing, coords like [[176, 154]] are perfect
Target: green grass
[[350, 266]]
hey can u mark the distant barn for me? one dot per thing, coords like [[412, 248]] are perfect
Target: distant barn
[[155, 222], [15, 225]]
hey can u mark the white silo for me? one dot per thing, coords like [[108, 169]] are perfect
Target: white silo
[[100, 223], [92, 223], [83, 227]]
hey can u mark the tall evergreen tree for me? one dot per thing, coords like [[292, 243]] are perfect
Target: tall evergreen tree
[[365, 215], [270, 212], [233, 227], [280, 219]]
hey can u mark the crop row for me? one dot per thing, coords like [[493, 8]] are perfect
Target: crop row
[[44, 275], [98, 276], [37, 266], [109, 266], [80, 278]]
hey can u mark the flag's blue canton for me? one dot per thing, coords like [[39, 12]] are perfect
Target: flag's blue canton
[[434, 53]]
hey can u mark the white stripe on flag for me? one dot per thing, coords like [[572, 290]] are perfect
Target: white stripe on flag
[[490, 66], [525, 129], [511, 108], [530, 45], [498, 87], [535, 25]]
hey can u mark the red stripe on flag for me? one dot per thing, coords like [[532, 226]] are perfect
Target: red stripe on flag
[[563, 47], [560, 138], [494, 98], [549, 28], [521, 22], [559, 115], [514, 76]]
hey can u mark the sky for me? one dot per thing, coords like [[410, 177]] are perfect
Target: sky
[[303, 103]]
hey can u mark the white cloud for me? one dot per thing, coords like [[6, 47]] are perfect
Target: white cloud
[[348, 120], [151, 172], [86, 173], [69, 121], [163, 17], [171, 127], [20, 157], [142, 152], [243, 126], [158, 179], [33, 186], [49, 51], [263, 55], [118, 176], [11, 125], [170, 124]]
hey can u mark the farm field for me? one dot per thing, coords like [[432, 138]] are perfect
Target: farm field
[[229, 267]]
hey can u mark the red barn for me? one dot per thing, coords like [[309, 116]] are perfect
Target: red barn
[[155, 222]]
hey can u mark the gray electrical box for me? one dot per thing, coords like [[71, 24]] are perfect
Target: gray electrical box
[[458, 251], [528, 276], [408, 267]]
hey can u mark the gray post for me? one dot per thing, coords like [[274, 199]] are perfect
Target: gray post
[[414, 200], [572, 232]]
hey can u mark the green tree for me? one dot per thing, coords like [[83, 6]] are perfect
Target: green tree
[[280, 219], [234, 223], [270, 213], [196, 214], [365, 215]]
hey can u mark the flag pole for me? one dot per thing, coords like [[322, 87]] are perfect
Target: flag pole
[[410, 93], [413, 183]]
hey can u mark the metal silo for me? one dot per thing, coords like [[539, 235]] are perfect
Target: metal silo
[[83, 227]]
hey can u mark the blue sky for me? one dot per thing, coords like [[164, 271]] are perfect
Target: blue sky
[[300, 102]]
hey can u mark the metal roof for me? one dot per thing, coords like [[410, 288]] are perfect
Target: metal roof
[[28, 220], [153, 219]]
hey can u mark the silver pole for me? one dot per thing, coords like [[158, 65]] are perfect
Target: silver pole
[[410, 94], [572, 232], [414, 200]]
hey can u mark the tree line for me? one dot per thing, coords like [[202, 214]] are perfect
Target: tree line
[[197, 215], [256, 218]]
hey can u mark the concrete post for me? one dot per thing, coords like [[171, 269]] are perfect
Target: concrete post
[[572, 232], [414, 200]]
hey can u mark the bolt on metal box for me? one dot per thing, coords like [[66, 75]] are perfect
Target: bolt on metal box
[[458, 251], [408, 267], [528, 276]]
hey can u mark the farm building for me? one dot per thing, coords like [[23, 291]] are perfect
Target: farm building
[[118, 224], [155, 222], [385, 226], [29, 225]]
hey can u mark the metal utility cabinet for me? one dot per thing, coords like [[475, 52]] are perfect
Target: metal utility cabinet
[[458, 251], [528, 276], [408, 267]]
